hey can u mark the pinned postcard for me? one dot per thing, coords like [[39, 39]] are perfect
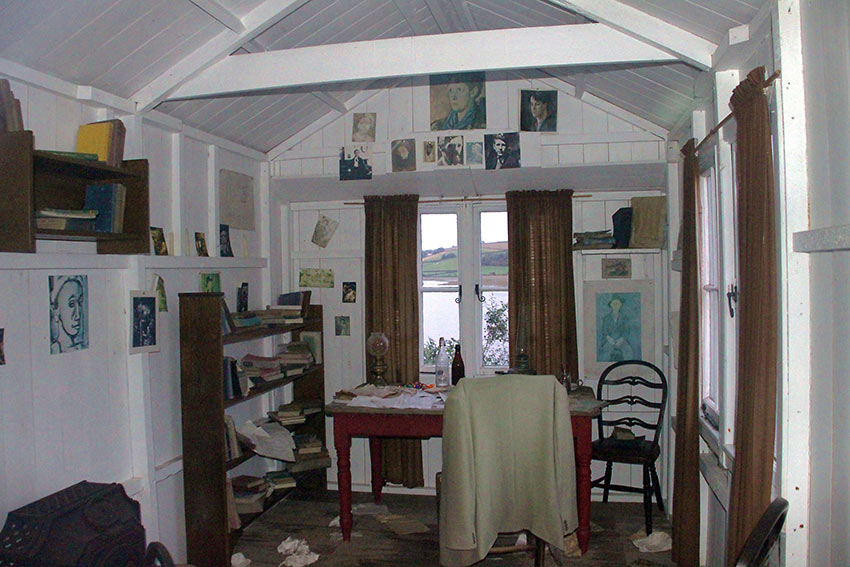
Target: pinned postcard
[[324, 231], [315, 277]]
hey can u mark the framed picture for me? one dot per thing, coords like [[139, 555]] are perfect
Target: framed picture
[[349, 292], [143, 322], [458, 101], [210, 281], [201, 244], [342, 326], [616, 268], [538, 111], [619, 319]]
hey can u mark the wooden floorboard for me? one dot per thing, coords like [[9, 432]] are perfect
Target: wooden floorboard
[[307, 515]]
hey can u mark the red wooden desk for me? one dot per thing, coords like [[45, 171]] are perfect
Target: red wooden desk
[[376, 423]]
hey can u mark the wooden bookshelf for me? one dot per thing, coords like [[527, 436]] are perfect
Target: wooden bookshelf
[[33, 180], [209, 542]]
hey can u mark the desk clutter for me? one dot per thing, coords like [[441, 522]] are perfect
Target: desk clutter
[[397, 397]]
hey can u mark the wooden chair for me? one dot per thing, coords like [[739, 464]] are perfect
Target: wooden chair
[[764, 535], [535, 544], [643, 405]]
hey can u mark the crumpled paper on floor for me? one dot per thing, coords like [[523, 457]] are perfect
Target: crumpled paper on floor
[[239, 560], [654, 542], [369, 509], [298, 552]]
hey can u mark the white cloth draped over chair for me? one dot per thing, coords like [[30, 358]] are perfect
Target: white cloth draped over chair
[[508, 465]]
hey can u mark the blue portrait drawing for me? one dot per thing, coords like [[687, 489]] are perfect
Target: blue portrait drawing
[[69, 313], [618, 326]]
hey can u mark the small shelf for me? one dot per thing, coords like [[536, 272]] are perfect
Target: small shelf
[[259, 332], [272, 385], [617, 250], [93, 170], [81, 235]]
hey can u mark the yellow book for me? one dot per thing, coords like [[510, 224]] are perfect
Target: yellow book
[[94, 138]]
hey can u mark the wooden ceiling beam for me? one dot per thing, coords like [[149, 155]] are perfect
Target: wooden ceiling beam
[[222, 45], [635, 23], [516, 48], [224, 16]]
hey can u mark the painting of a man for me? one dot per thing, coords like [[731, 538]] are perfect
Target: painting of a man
[[449, 150], [68, 313], [538, 111], [502, 150], [618, 328], [404, 155], [458, 101], [144, 321]]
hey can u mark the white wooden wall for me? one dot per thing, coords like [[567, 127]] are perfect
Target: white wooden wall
[[586, 134], [100, 414]]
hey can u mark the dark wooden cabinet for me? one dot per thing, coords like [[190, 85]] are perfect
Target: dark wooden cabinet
[[205, 467], [33, 180]]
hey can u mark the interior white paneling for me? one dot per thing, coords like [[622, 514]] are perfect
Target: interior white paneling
[[194, 190]]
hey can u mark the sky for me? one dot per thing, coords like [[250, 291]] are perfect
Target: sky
[[440, 230]]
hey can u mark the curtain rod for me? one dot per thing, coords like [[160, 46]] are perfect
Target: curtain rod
[[723, 122], [463, 199]]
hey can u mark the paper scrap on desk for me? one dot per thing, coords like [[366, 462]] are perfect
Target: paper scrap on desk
[[239, 560], [654, 542], [298, 551], [417, 399], [271, 440]]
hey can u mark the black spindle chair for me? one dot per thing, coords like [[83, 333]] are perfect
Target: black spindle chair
[[643, 406]]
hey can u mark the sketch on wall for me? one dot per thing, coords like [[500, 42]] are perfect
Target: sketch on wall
[[236, 199], [143, 324], [69, 313], [618, 323]]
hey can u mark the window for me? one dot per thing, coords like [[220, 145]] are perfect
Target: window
[[464, 283], [717, 251]]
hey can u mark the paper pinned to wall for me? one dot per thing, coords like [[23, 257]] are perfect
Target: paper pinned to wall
[[236, 199], [324, 231]]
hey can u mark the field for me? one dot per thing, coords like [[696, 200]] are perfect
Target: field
[[442, 266]]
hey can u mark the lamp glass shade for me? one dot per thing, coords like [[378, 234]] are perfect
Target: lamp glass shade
[[377, 344]]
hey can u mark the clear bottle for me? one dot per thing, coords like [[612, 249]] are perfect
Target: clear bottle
[[458, 367], [441, 366]]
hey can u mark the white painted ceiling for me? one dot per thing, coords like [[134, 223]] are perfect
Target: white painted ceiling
[[153, 51]]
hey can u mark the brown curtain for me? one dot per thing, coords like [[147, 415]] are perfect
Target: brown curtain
[[541, 293], [392, 307], [758, 308], [686, 480]]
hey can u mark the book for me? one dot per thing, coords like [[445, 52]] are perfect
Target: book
[[242, 320], [280, 479], [72, 155], [233, 521], [296, 298], [67, 213], [257, 361], [108, 200], [301, 451], [105, 138], [303, 463], [248, 502], [248, 483], [60, 223]]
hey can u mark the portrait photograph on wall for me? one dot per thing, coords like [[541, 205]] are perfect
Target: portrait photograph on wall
[[618, 323], [502, 150], [450, 150], [458, 101], [538, 111], [403, 155], [355, 162], [429, 151], [474, 153], [143, 324], [363, 127], [616, 268], [69, 313]]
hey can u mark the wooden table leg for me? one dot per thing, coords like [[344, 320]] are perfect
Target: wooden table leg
[[342, 442], [375, 456], [583, 449]]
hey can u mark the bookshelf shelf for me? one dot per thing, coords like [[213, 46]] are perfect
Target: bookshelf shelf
[[209, 543], [35, 179]]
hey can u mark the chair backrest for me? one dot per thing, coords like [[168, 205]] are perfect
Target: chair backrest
[[645, 408], [764, 535]]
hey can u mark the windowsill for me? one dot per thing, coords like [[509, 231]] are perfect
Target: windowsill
[[725, 453]]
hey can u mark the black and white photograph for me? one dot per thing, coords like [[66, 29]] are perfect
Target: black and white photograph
[[538, 111], [355, 162], [450, 150], [201, 244], [143, 322], [404, 155], [363, 127], [429, 151], [224, 248], [474, 153], [502, 150], [69, 313], [349, 292]]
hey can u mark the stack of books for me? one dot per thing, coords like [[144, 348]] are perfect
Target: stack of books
[[259, 369], [594, 239], [11, 118], [246, 319], [307, 444], [231, 442], [105, 138], [280, 480], [293, 304], [66, 219], [295, 412], [295, 357], [236, 382], [310, 461]]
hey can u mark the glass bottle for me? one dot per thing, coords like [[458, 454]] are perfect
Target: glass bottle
[[458, 368], [441, 366]]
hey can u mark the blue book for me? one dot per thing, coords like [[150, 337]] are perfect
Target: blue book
[[108, 200]]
